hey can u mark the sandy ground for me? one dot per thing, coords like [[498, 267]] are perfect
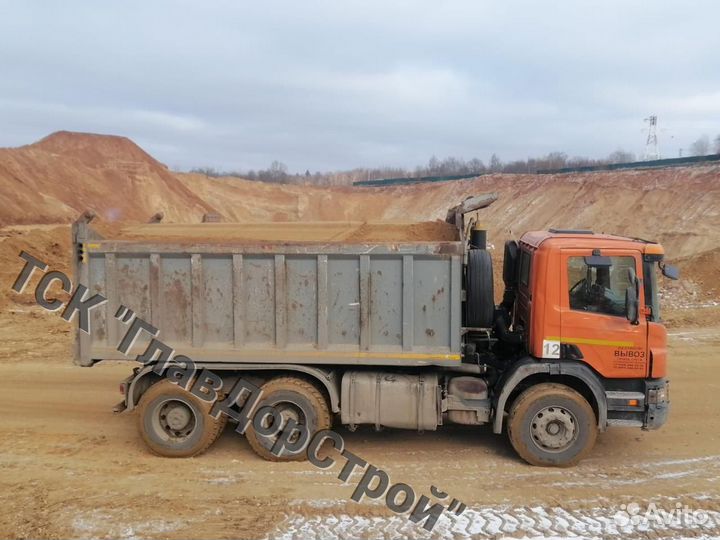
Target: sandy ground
[[70, 468]]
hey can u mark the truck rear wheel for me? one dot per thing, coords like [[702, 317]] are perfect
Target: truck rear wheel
[[552, 425], [294, 399], [175, 423]]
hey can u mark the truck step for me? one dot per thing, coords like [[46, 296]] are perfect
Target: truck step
[[624, 422]]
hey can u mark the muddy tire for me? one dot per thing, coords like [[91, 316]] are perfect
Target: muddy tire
[[295, 399], [552, 425], [175, 423], [221, 427]]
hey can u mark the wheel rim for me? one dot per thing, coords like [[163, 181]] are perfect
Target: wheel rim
[[175, 419], [554, 429], [287, 411]]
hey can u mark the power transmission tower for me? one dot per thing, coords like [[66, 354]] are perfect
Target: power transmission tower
[[651, 145]]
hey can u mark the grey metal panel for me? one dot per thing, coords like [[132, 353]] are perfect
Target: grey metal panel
[[364, 302], [302, 300], [300, 304], [432, 303], [133, 276], [96, 285], [322, 301], [270, 355], [280, 301], [408, 304], [344, 298], [176, 299], [455, 302], [112, 304], [198, 300], [238, 301], [83, 341], [133, 289], [156, 316], [259, 285], [386, 302], [401, 400], [218, 323]]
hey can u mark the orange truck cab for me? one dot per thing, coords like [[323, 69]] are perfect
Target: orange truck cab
[[586, 308]]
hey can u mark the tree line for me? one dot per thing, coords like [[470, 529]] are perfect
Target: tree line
[[449, 166]]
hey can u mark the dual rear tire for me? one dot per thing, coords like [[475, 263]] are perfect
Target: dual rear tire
[[173, 422], [295, 400]]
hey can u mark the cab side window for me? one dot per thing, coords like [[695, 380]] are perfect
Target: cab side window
[[599, 289]]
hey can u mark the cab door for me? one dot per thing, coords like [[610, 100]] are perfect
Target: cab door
[[592, 310]]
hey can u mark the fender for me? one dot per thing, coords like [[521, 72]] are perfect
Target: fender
[[326, 376], [530, 366]]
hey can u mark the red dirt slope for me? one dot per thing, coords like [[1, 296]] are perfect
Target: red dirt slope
[[55, 179]]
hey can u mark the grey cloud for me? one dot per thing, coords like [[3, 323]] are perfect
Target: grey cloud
[[324, 85]]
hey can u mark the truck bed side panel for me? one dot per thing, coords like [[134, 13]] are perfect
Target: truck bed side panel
[[350, 304]]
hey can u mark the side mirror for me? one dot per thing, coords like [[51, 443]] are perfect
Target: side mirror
[[631, 305], [670, 271], [632, 298]]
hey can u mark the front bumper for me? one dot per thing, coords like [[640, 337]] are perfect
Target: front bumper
[[646, 406], [657, 393]]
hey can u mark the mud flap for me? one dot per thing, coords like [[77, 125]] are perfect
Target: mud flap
[[120, 407]]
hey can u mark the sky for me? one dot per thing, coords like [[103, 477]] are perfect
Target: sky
[[341, 84]]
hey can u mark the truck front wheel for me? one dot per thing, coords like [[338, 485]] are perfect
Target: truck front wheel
[[552, 425], [294, 402], [175, 423]]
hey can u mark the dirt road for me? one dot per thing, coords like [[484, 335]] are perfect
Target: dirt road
[[70, 468]]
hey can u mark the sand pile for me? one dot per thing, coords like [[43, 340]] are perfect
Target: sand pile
[[55, 179], [677, 207], [287, 232], [49, 243]]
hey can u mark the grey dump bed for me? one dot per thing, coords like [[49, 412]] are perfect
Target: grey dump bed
[[224, 297], [383, 293]]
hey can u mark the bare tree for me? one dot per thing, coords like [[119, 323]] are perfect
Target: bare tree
[[717, 144], [556, 160], [207, 171], [449, 166], [621, 156], [433, 166], [477, 166], [700, 147]]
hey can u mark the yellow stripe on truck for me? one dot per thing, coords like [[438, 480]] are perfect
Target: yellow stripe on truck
[[410, 356], [351, 354], [588, 341]]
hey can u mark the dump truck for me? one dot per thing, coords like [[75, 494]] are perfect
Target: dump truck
[[393, 325]]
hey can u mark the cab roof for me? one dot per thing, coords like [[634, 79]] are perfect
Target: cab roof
[[567, 238]]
